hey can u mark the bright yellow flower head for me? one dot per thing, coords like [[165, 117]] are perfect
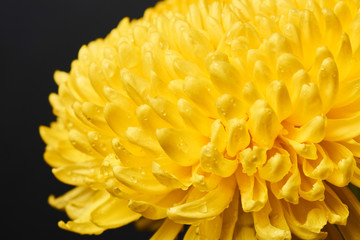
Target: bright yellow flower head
[[239, 118]]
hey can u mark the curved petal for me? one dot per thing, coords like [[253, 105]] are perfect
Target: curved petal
[[306, 150], [172, 175], [211, 204], [238, 136], [180, 145], [344, 163], [230, 217], [320, 168], [264, 125], [311, 189], [328, 83], [218, 135], [230, 107], [351, 230], [288, 187], [80, 210], [113, 213], [77, 174], [343, 129], [213, 161], [253, 191], [204, 181], [278, 98], [313, 131], [194, 118], [337, 211], [306, 219], [276, 167], [270, 222], [168, 230], [140, 180], [251, 159]]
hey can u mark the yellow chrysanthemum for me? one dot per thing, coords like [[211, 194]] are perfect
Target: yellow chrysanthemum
[[239, 118]]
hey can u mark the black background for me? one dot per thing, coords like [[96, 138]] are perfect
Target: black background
[[36, 38]]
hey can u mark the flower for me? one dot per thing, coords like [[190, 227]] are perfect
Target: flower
[[240, 119]]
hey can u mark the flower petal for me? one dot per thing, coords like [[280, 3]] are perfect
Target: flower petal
[[251, 159], [180, 145], [168, 230], [113, 213], [305, 219], [229, 107], [211, 160], [313, 131], [343, 129], [139, 179], [278, 98], [320, 168], [263, 124], [210, 205], [238, 136], [270, 223], [194, 118], [172, 175], [276, 167], [230, 217], [338, 212], [218, 135], [253, 191], [344, 162], [351, 230], [328, 83]]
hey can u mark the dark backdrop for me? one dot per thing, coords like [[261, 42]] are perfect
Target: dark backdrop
[[36, 38]]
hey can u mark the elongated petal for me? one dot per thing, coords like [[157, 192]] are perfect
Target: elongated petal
[[225, 77], [171, 175], [312, 131], [306, 150], [230, 107], [320, 168], [139, 179], [62, 201], [343, 129], [168, 230], [181, 146], [211, 160], [253, 191], [263, 124], [208, 206], [218, 135], [238, 136], [351, 230], [113, 213], [276, 167], [306, 219], [344, 163], [338, 211], [278, 98], [230, 217], [269, 227], [77, 174], [328, 82], [194, 118]]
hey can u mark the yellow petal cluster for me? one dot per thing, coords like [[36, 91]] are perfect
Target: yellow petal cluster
[[235, 119]]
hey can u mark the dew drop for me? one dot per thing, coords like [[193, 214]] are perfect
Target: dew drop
[[203, 208], [116, 191], [197, 230], [182, 145], [133, 179]]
